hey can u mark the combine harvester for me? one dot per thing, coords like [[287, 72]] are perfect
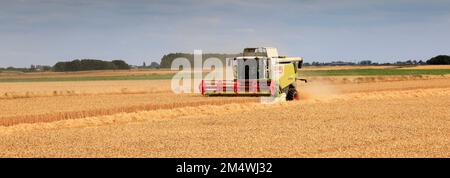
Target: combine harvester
[[258, 72]]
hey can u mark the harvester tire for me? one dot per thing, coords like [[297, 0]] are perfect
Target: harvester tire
[[291, 94]]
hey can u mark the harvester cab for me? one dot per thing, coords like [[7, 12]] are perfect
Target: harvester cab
[[258, 72]]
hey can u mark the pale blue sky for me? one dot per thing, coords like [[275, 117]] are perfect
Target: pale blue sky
[[47, 31]]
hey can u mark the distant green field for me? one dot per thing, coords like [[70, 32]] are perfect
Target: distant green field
[[343, 72], [363, 72]]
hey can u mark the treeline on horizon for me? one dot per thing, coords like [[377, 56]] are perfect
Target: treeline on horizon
[[90, 64], [166, 62], [438, 60]]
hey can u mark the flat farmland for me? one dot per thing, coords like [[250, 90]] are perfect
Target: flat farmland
[[337, 116]]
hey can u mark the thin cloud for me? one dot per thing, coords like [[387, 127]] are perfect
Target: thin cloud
[[45, 31]]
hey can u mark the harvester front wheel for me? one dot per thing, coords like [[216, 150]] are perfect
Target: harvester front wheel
[[291, 94]]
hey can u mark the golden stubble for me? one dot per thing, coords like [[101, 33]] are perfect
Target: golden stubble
[[337, 117]]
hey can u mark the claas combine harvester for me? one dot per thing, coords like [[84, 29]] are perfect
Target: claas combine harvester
[[258, 72]]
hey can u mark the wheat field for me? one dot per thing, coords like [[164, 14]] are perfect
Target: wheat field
[[371, 116]]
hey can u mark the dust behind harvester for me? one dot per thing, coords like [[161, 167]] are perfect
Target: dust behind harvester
[[258, 72]]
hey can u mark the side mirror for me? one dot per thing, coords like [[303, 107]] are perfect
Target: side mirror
[[300, 64]]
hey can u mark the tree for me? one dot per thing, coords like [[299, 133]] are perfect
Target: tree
[[75, 66], [365, 62], [60, 66], [121, 64], [154, 65], [439, 60]]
